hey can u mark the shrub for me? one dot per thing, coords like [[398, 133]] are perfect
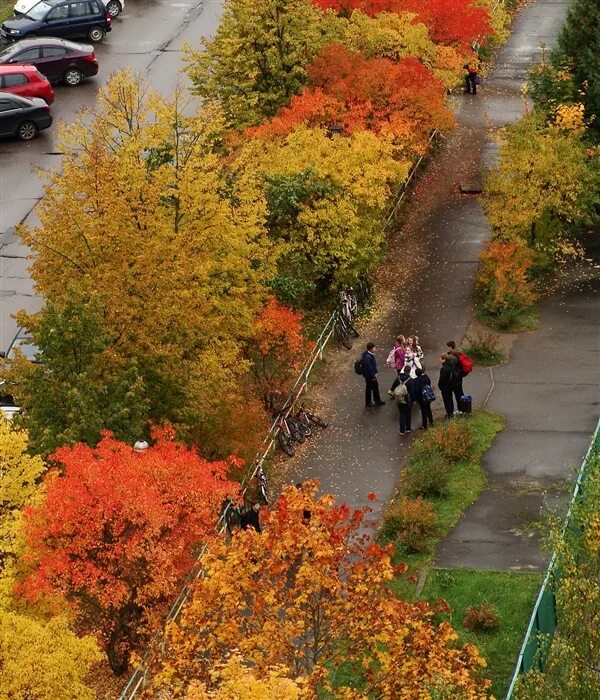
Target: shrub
[[504, 290], [428, 472], [411, 522], [483, 349], [481, 618], [453, 439]]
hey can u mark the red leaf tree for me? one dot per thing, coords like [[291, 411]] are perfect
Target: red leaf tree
[[277, 352], [116, 531], [402, 97]]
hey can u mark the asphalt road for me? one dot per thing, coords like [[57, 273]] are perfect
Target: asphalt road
[[148, 36]]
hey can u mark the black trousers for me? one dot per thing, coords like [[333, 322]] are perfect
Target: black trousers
[[426, 414], [471, 83], [458, 391], [448, 402], [405, 415], [371, 391]]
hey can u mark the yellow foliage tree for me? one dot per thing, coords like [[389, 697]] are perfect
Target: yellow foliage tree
[[309, 596], [19, 473], [43, 660], [337, 234], [144, 225]]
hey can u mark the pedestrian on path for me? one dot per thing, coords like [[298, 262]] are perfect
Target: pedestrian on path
[[471, 77], [454, 361], [251, 518], [411, 355], [372, 397], [396, 360], [424, 398], [448, 376], [404, 395]]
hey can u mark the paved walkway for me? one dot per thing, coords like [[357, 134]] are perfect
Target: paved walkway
[[426, 289]]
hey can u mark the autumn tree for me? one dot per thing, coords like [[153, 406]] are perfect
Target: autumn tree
[[277, 351], [310, 596], [542, 185], [401, 98], [335, 232], [257, 59], [396, 35], [116, 532], [19, 474], [143, 226]]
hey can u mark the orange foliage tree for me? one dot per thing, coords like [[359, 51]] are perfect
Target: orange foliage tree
[[277, 351], [308, 597], [399, 97], [115, 533]]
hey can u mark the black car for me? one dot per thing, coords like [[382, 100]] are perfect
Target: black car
[[61, 18], [22, 117], [57, 59]]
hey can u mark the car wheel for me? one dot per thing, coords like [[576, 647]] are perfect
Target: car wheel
[[114, 8], [72, 77], [96, 34], [27, 131]]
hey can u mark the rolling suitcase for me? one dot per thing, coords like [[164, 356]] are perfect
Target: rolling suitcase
[[465, 404]]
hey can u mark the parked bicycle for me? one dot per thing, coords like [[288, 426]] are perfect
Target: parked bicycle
[[308, 419], [348, 304], [344, 330], [289, 432]]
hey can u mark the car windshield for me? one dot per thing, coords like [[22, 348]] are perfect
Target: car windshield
[[39, 11]]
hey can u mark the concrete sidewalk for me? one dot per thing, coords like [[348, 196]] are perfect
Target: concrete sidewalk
[[425, 288]]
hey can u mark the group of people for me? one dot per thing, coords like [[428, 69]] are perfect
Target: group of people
[[412, 384]]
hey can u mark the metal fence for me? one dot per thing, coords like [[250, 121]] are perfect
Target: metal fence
[[545, 616], [138, 679]]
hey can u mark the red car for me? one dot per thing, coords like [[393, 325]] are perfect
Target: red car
[[25, 81]]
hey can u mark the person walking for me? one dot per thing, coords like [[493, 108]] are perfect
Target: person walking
[[251, 518], [404, 395], [369, 363], [471, 77], [411, 355], [446, 384], [454, 361], [424, 397], [397, 361]]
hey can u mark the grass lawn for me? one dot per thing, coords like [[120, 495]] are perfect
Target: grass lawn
[[466, 483], [6, 9], [511, 594]]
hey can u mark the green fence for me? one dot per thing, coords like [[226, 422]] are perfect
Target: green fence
[[545, 616]]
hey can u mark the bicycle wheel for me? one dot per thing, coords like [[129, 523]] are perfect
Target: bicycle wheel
[[316, 420], [296, 430], [350, 329], [342, 335], [286, 443], [262, 487]]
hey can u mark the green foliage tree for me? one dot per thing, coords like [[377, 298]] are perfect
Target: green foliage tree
[[572, 668], [257, 59], [580, 43]]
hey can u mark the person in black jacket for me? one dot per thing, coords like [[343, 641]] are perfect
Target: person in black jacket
[[370, 375], [251, 518], [446, 383], [420, 381]]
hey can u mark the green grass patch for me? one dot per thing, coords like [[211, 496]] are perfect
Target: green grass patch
[[512, 594], [467, 480], [6, 9], [518, 322]]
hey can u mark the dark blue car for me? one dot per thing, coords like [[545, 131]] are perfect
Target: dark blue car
[[61, 18]]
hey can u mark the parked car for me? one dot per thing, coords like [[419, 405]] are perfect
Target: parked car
[[25, 81], [57, 59], [61, 18], [114, 7], [22, 341], [22, 117]]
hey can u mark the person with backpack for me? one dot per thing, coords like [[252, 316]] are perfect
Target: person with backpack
[[369, 372], [425, 397], [446, 383], [463, 365], [404, 393], [395, 360]]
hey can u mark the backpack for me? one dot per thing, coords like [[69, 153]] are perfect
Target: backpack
[[391, 358], [428, 394], [401, 394], [466, 363], [359, 367]]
